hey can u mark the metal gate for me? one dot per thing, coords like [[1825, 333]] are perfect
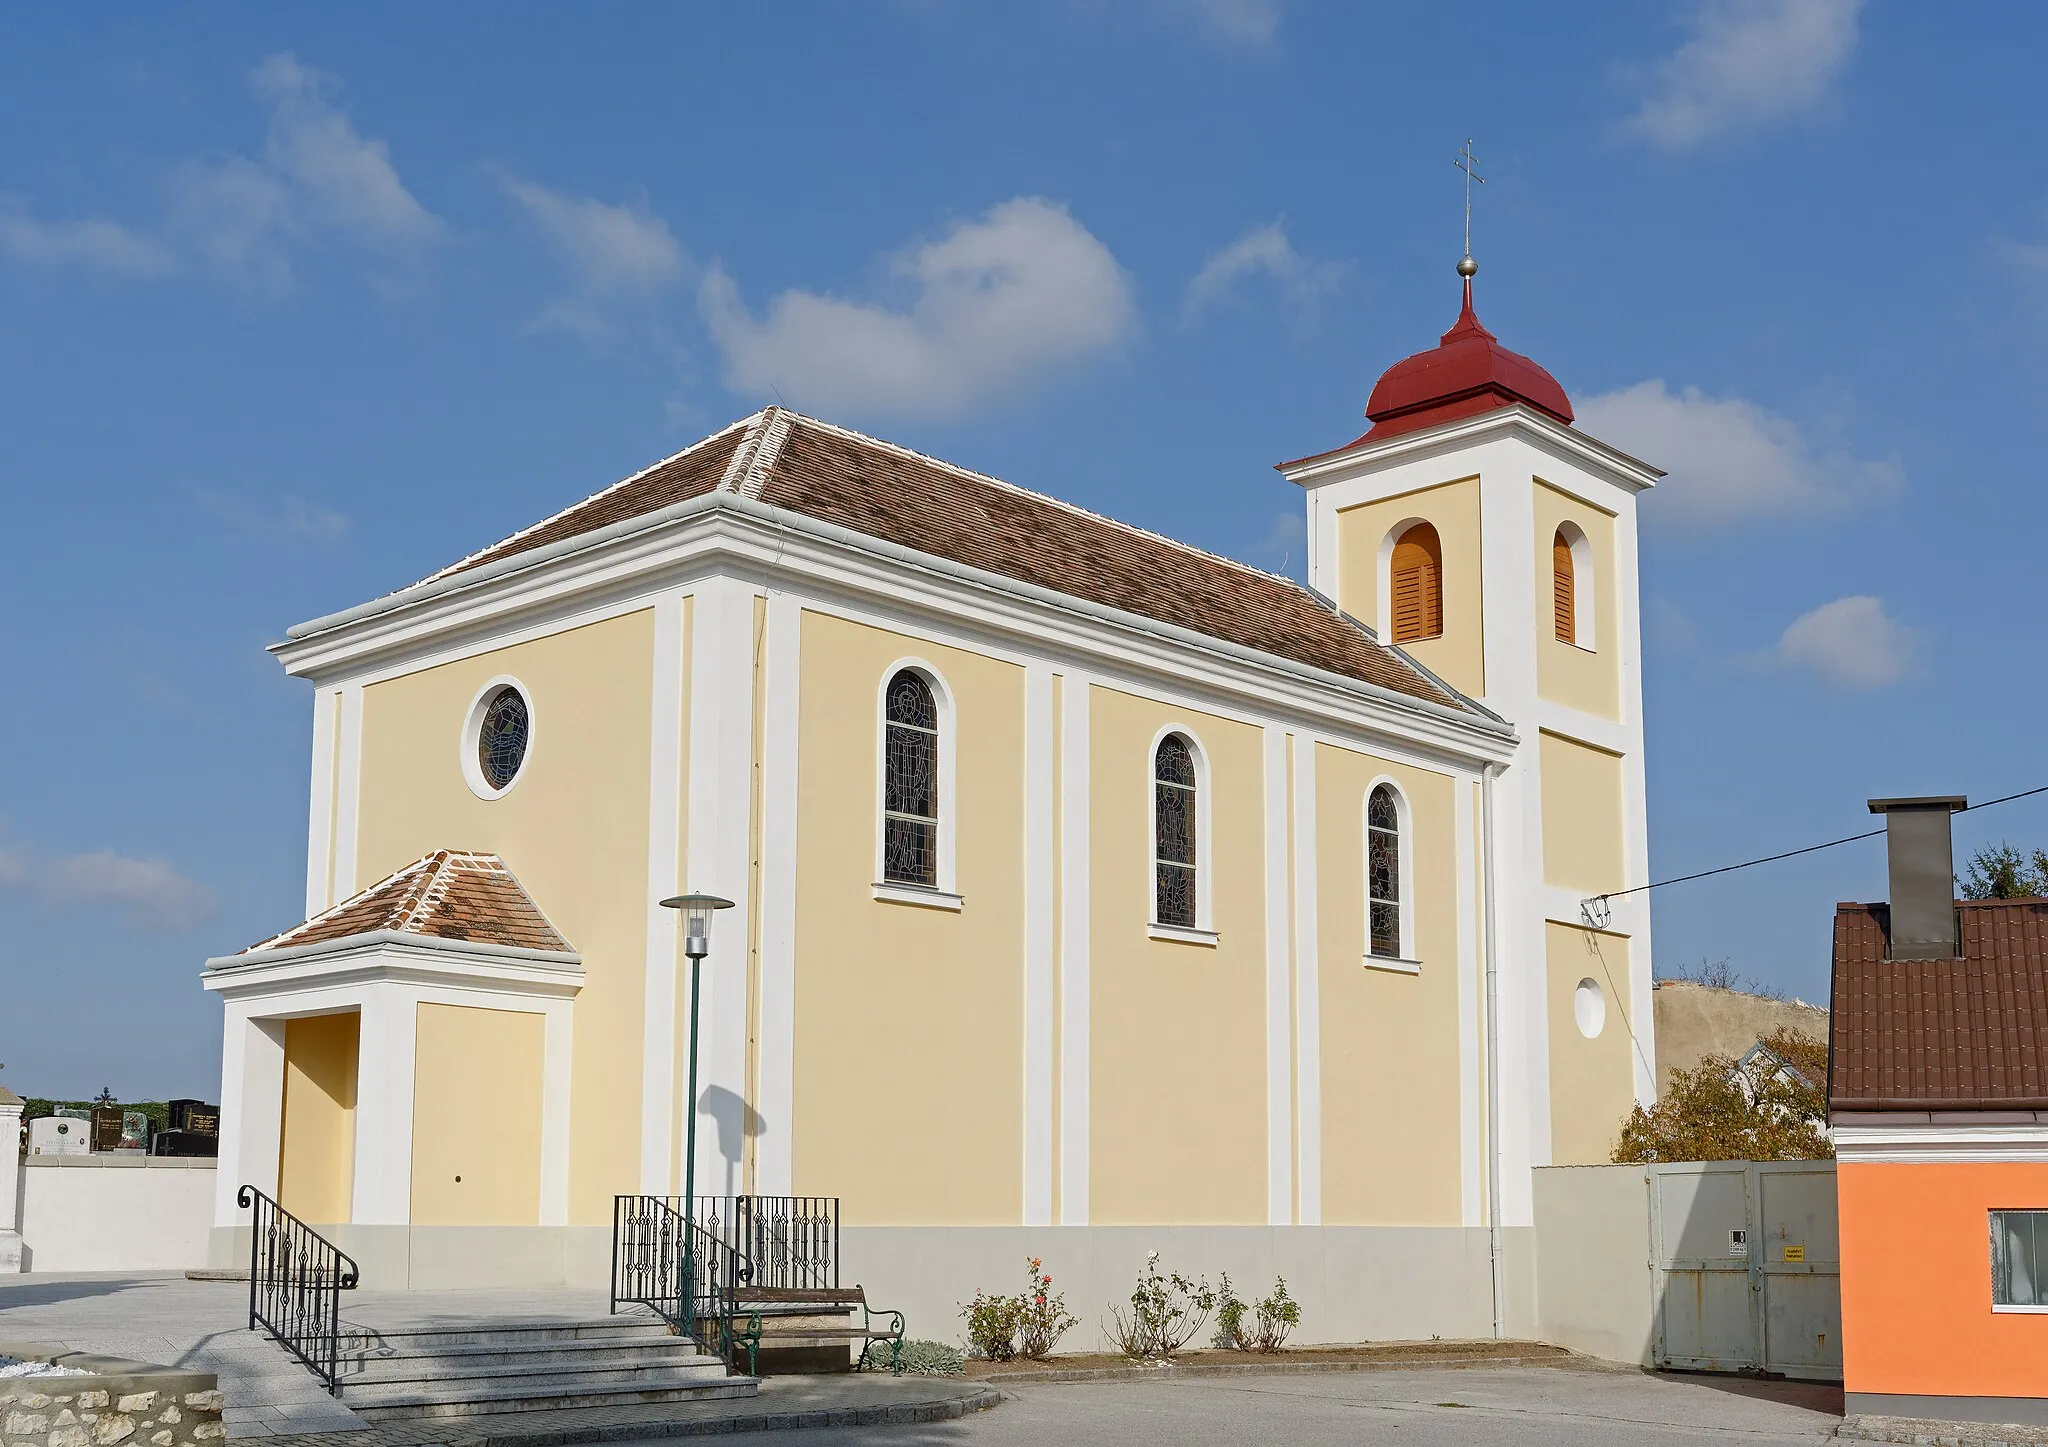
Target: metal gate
[[1747, 1270]]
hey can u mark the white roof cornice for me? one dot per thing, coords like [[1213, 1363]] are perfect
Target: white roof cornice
[[1533, 426], [723, 531], [395, 955]]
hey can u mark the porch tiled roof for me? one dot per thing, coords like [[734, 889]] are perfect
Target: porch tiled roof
[[451, 894]]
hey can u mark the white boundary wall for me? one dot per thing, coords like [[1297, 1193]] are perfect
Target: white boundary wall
[[100, 1213], [1595, 1291]]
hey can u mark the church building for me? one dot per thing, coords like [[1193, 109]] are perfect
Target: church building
[[1095, 893]]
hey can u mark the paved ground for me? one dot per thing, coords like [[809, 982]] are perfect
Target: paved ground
[[202, 1325], [179, 1323], [1525, 1407]]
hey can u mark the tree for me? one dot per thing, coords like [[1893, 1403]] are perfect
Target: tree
[[1775, 1108], [2002, 872]]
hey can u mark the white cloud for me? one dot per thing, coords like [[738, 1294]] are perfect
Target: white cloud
[[1303, 283], [1850, 643], [1232, 22], [156, 895], [107, 245], [1000, 303], [341, 177], [1748, 62], [238, 215], [611, 247], [1728, 459], [275, 515]]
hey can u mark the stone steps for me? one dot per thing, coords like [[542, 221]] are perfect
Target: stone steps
[[487, 1367]]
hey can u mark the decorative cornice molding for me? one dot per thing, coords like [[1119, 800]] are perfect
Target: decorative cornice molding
[[1589, 452], [723, 533]]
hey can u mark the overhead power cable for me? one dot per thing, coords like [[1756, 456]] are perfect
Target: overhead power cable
[[1596, 907]]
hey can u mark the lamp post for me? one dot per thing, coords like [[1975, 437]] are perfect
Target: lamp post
[[697, 910]]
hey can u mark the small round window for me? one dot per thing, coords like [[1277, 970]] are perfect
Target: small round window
[[502, 737]]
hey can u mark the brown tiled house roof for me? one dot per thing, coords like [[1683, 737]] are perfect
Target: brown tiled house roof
[[1969, 1033], [450, 894], [902, 497]]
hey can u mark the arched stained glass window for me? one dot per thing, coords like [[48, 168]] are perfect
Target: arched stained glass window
[[910, 782], [1173, 833], [1383, 872]]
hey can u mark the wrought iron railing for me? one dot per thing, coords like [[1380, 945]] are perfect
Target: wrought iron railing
[[696, 1292], [783, 1241], [296, 1277]]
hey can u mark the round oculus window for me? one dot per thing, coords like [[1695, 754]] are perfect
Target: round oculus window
[[1589, 1008], [502, 737]]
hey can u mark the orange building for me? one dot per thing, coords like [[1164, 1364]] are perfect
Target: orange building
[[1938, 1094]]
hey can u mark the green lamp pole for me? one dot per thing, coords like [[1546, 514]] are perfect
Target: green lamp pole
[[697, 910]]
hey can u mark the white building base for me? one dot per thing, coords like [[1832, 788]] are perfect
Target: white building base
[[1354, 1283]]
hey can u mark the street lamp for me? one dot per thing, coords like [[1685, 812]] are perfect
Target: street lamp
[[697, 910]]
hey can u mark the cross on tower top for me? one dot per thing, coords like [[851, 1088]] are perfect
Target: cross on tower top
[[1469, 164]]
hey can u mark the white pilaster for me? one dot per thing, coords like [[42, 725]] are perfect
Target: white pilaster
[[774, 1166], [347, 792], [558, 1044], [721, 778], [1074, 929], [1037, 783], [664, 871], [1279, 991], [320, 801], [1308, 1059], [386, 1037], [251, 1109], [1471, 989]]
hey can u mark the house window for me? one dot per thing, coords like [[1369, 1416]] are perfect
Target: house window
[[1174, 805], [1563, 589], [910, 782], [2019, 1252], [1416, 590], [1383, 872]]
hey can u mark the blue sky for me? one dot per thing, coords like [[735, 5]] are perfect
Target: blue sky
[[298, 305]]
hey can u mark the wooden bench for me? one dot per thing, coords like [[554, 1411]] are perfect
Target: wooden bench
[[788, 1317]]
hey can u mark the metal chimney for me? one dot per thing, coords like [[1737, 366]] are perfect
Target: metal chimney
[[1922, 866]]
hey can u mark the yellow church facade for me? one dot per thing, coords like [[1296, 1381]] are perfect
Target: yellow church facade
[[1094, 894]]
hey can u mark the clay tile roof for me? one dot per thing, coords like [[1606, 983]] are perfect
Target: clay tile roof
[[903, 497], [1969, 1033], [450, 894]]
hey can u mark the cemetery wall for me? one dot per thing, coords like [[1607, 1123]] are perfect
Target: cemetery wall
[[115, 1213]]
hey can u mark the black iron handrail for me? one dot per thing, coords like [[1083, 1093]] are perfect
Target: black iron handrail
[[784, 1241], [296, 1277], [696, 1292]]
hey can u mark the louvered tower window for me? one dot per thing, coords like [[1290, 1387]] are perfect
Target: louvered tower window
[[1563, 589], [1383, 872], [1173, 833], [910, 783], [1417, 591]]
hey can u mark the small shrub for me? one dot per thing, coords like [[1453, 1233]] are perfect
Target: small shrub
[[1042, 1318], [992, 1324], [1230, 1312], [1277, 1315], [921, 1359], [1167, 1312]]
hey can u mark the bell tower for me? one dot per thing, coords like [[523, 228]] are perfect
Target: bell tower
[[1477, 529]]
